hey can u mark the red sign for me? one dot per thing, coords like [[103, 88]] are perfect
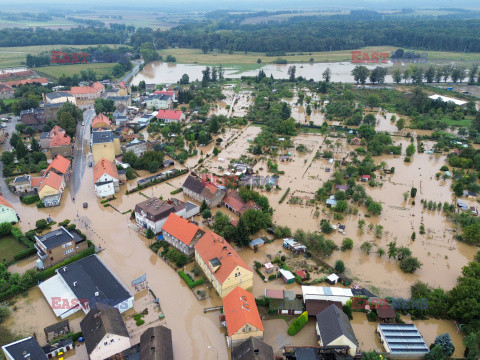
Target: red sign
[[64, 58], [365, 58]]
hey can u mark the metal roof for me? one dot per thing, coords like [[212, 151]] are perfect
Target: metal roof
[[403, 338]]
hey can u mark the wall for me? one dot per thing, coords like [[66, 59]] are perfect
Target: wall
[[64, 150], [244, 280], [103, 150], [245, 332]]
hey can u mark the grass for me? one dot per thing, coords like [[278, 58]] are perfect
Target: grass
[[9, 247], [196, 56], [56, 71], [461, 123]]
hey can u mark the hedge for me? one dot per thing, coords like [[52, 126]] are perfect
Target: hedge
[[23, 254], [298, 324], [30, 199], [45, 274], [284, 196], [191, 284]]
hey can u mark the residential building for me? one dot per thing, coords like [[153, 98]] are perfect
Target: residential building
[[105, 145], [6, 92], [241, 316], [152, 213], [104, 332], [121, 100], [402, 341], [58, 245], [159, 101], [315, 307], [123, 89], [16, 83], [22, 184], [61, 144], [101, 122], [253, 349], [181, 233], [7, 212], [200, 190], [34, 118], [91, 92], [169, 116], [156, 344], [51, 350], [46, 137], [24, 349], [326, 293], [51, 189], [138, 147], [223, 267], [60, 166], [119, 111], [334, 328], [59, 97], [171, 93], [105, 178], [81, 285], [127, 134], [234, 203], [51, 111]]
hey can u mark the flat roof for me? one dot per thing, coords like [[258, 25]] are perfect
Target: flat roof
[[55, 288], [447, 99]]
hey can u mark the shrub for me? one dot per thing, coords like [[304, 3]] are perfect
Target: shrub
[[191, 284], [347, 244], [16, 233], [410, 264], [339, 266], [23, 254], [371, 316], [284, 196], [5, 229], [30, 199], [297, 324], [4, 312], [41, 224]]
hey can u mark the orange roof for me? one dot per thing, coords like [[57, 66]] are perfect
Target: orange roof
[[55, 130], [234, 200], [5, 202], [169, 114], [104, 167], [60, 139], [60, 164], [27, 81], [181, 229], [101, 119], [36, 181], [212, 246], [122, 84], [97, 86], [240, 309], [53, 180]]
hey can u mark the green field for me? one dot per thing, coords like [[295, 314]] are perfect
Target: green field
[[9, 247], [56, 71], [196, 56]]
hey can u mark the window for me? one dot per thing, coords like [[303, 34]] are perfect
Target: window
[[69, 251]]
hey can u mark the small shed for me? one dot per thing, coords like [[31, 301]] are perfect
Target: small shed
[[302, 274], [284, 158], [332, 279], [331, 202], [365, 177], [269, 267], [62, 346], [285, 306], [287, 276], [386, 312], [274, 294], [342, 187], [256, 243]]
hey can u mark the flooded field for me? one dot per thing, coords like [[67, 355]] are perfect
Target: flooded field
[[168, 73]]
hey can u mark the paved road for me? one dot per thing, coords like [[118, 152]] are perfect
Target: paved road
[[82, 146], [132, 73]]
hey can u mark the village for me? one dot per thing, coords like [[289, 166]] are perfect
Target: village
[[141, 247]]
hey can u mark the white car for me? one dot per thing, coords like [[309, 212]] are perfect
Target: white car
[[83, 123]]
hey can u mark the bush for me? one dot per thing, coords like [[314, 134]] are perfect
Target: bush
[[339, 266], [30, 199], [4, 312], [41, 224], [5, 229], [410, 264], [298, 324], [284, 196], [24, 254], [371, 316], [16, 233], [347, 244], [191, 284]]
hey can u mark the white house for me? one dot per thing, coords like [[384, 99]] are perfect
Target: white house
[[105, 178]]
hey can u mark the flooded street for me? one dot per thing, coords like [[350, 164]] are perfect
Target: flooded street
[[168, 73]]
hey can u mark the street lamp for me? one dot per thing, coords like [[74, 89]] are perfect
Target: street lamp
[[211, 347]]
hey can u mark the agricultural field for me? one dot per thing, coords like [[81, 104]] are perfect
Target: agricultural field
[[56, 71]]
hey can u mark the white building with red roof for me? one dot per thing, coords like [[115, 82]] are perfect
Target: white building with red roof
[[105, 178], [181, 233], [171, 116]]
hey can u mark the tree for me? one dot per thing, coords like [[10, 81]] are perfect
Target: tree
[[400, 124], [339, 267], [215, 151], [413, 192], [347, 244], [291, 72], [35, 146], [7, 158], [430, 74], [366, 247], [41, 224], [410, 264], [446, 343], [185, 79], [4, 312], [372, 101], [374, 208], [392, 250], [472, 73], [471, 233], [402, 253], [436, 353], [149, 234], [410, 150], [360, 74], [20, 149], [397, 75], [5, 229], [255, 220], [407, 74], [206, 214], [470, 341], [242, 237], [327, 74], [204, 206], [378, 75]]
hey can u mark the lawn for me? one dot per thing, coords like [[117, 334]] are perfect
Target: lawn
[[194, 56], [56, 71], [9, 247]]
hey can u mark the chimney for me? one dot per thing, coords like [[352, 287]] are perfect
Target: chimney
[[75, 283]]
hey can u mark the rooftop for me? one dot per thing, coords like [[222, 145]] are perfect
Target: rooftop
[[156, 344], [252, 349], [156, 209], [333, 323], [182, 229], [103, 166], [58, 237], [169, 114], [403, 339], [53, 180], [240, 309], [19, 350], [102, 136], [101, 119]]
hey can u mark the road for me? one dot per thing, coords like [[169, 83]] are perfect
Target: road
[[82, 146], [127, 78]]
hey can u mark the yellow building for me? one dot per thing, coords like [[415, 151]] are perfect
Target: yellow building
[[241, 316], [104, 145], [223, 267], [51, 189]]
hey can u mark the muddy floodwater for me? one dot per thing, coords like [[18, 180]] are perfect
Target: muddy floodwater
[[168, 73]]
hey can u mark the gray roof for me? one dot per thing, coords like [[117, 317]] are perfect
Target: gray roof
[[252, 349], [44, 135], [58, 237], [19, 349], [58, 94], [99, 137], [156, 344], [91, 276], [403, 339], [333, 323], [193, 184], [102, 320], [21, 179], [156, 209]]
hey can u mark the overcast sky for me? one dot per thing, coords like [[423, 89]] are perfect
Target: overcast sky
[[25, 5]]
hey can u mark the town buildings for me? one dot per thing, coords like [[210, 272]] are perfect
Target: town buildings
[[19, 350], [7, 212], [101, 122], [156, 344], [105, 178], [6, 92], [253, 349], [34, 118], [200, 191], [159, 101], [59, 97], [181, 233], [222, 266], [105, 145], [233, 202], [169, 116]]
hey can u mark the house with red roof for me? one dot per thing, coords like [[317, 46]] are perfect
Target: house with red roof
[[16, 83], [91, 92], [60, 165], [223, 267], [234, 203], [171, 116], [242, 319], [171, 93], [61, 144], [105, 178], [6, 92], [101, 122], [201, 190], [181, 233], [51, 189], [7, 212]]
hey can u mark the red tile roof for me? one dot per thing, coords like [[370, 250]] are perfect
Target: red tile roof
[[27, 81], [170, 93], [104, 167], [240, 309], [60, 139], [181, 229], [122, 84], [53, 180], [212, 246], [36, 181], [234, 200], [5, 88], [55, 130], [169, 114], [60, 164], [96, 87], [101, 119], [5, 202]]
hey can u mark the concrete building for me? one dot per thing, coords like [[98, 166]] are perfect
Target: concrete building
[[159, 101], [34, 118], [156, 344], [59, 97], [7, 212], [139, 147], [200, 190]]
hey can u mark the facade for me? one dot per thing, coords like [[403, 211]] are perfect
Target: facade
[[171, 93], [22, 185], [139, 147], [156, 344], [334, 329], [152, 213], [199, 191], [61, 144], [223, 267], [51, 111], [92, 92], [181, 233], [159, 101], [105, 178], [169, 116], [402, 341], [19, 350], [51, 189], [7, 212], [35, 118], [241, 316], [60, 166], [105, 332], [6, 92], [58, 245], [103, 146], [121, 100], [59, 97]]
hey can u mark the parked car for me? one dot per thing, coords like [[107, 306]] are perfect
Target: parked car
[[90, 164], [85, 205]]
